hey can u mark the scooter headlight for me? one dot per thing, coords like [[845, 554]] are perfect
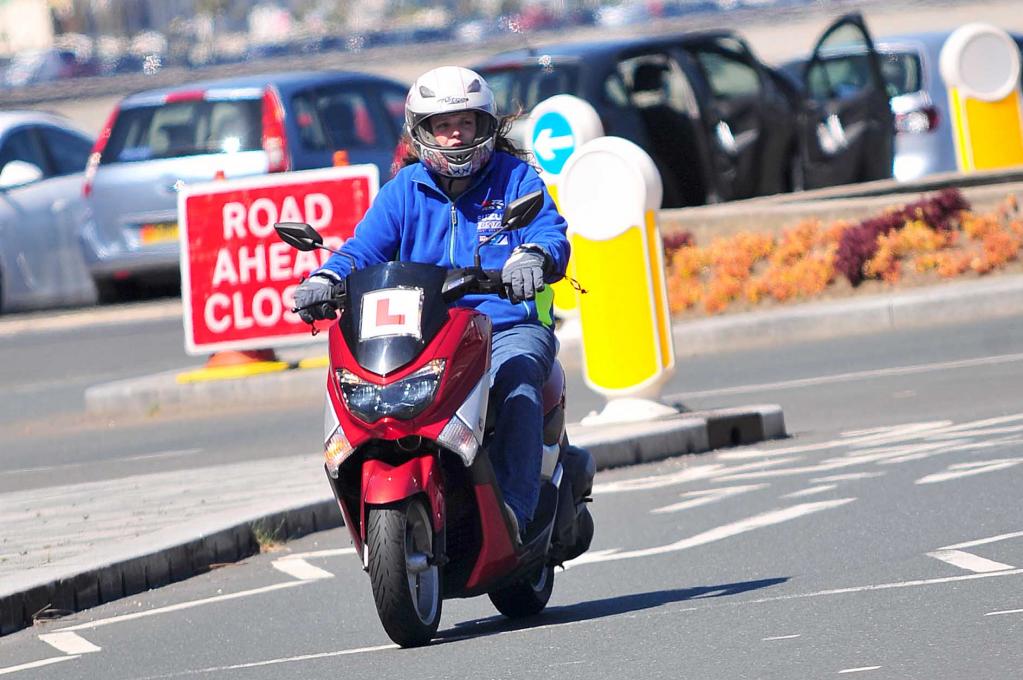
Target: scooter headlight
[[403, 399]]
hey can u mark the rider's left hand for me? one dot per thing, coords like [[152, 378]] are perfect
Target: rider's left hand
[[522, 274]]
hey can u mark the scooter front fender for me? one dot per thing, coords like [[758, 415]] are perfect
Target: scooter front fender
[[385, 484]]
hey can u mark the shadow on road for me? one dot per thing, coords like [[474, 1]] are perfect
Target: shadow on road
[[598, 609]]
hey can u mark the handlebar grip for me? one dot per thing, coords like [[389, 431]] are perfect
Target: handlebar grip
[[490, 282]]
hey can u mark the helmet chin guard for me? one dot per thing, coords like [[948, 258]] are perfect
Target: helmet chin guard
[[451, 89]]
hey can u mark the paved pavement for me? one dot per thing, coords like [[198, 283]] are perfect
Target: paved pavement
[[71, 547]]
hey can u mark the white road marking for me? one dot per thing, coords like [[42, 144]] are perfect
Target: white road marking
[[333, 552], [968, 469], [811, 491], [984, 541], [859, 670], [182, 605], [847, 377], [300, 569], [707, 496], [69, 643], [847, 477], [286, 659], [682, 476], [36, 664], [780, 637], [881, 586], [970, 562], [1007, 611], [717, 534], [981, 432]]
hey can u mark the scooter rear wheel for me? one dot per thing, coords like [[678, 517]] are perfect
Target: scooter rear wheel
[[406, 587], [526, 597]]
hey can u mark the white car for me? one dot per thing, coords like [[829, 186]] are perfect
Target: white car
[[42, 161]]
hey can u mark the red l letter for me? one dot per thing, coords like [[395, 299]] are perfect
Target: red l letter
[[384, 316]]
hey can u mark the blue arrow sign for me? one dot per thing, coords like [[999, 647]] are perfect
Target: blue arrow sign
[[553, 142]]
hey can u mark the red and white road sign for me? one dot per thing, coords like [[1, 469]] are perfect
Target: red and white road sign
[[238, 279]]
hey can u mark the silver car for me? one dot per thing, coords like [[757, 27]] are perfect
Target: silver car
[[924, 141], [42, 159]]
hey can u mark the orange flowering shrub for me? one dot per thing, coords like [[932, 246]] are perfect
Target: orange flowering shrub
[[939, 235]]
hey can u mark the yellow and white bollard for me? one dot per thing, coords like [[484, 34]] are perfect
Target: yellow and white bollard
[[609, 193], [980, 65], [556, 128]]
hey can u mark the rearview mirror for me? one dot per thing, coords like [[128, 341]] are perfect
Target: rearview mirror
[[522, 210], [19, 173], [299, 235]]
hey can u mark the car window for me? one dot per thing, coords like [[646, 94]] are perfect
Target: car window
[[901, 72], [68, 152], [337, 118], [654, 80], [725, 65], [185, 128], [841, 64], [525, 87], [23, 145], [394, 103], [838, 77]]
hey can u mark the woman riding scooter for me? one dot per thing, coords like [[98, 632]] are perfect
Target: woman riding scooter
[[461, 174]]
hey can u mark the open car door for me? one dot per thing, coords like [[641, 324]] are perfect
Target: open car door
[[846, 128]]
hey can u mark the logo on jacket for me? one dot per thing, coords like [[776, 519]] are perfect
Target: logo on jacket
[[491, 214]]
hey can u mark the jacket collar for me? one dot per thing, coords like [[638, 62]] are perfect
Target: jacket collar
[[422, 176]]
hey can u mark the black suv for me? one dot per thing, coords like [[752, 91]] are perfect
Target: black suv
[[720, 124]]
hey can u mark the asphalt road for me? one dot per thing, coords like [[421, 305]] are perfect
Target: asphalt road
[[882, 540], [46, 372]]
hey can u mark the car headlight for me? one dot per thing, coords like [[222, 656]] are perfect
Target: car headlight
[[403, 399]]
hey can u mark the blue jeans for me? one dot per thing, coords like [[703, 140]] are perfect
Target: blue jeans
[[520, 361]]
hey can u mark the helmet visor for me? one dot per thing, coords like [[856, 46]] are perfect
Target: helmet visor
[[486, 128]]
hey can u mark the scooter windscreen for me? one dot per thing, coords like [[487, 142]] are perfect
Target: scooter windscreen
[[394, 310]]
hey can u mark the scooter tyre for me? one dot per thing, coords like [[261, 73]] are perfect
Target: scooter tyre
[[527, 597], [408, 603]]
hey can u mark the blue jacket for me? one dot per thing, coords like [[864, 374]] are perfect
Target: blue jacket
[[413, 220]]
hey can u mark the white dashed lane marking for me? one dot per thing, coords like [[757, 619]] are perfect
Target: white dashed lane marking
[[300, 569], [69, 643], [968, 561]]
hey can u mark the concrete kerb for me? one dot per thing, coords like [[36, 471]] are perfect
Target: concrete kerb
[[933, 305], [184, 551]]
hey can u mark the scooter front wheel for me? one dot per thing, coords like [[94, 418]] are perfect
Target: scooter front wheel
[[406, 585], [526, 597]]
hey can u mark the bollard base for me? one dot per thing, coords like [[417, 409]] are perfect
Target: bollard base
[[629, 410]]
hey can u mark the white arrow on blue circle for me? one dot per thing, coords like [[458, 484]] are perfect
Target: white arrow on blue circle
[[546, 144]]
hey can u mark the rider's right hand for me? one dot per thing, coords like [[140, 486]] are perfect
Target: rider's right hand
[[315, 298]]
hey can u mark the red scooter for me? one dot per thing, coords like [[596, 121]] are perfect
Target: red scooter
[[407, 430]]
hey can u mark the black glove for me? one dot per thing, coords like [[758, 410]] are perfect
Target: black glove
[[522, 274], [315, 298]]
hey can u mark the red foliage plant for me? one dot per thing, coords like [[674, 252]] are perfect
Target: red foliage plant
[[676, 240], [859, 243]]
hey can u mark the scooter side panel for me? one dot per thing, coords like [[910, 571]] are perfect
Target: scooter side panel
[[497, 554]]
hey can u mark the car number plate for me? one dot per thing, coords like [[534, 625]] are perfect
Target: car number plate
[[158, 233]]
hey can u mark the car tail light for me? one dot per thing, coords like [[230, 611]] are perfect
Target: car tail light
[[916, 121], [275, 142], [97, 152]]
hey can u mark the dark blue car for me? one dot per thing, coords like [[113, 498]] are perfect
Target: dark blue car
[[157, 141]]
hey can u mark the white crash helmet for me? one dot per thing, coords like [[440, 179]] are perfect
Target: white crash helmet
[[445, 90]]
